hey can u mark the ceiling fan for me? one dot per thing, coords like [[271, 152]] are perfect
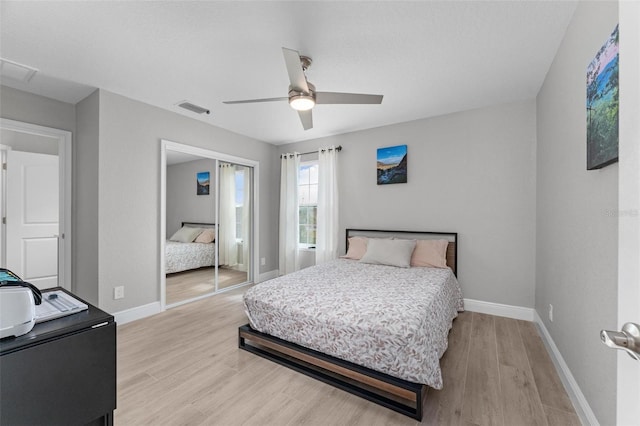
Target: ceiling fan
[[302, 94]]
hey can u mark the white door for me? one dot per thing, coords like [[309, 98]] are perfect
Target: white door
[[32, 217], [628, 394]]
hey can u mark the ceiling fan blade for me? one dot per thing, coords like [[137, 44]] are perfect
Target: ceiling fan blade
[[347, 98], [306, 118], [294, 68], [252, 101]]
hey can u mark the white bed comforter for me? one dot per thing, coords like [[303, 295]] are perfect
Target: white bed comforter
[[184, 256], [389, 319]]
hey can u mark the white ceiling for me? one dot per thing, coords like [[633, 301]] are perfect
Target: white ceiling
[[427, 58]]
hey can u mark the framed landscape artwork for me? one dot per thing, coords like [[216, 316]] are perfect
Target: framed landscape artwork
[[392, 165], [602, 105], [202, 181]]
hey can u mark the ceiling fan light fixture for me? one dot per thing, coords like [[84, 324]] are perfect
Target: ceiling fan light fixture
[[302, 95], [302, 102]]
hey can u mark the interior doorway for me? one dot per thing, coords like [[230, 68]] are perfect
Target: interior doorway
[[35, 202], [208, 206]]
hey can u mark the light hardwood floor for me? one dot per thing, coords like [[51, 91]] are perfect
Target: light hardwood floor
[[183, 367], [190, 284]]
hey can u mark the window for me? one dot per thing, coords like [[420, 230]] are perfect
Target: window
[[307, 202]]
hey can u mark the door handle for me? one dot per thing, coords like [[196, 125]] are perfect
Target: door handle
[[627, 340]]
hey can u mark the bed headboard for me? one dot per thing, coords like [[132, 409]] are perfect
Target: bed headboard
[[452, 237], [199, 224]]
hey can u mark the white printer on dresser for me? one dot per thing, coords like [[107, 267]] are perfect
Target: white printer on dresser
[[17, 311]]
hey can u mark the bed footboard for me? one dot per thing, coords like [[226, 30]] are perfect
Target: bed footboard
[[397, 394]]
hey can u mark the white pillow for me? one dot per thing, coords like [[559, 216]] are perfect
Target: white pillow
[[389, 252], [185, 234]]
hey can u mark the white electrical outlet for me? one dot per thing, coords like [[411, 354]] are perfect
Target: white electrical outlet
[[550, 312], [118, 292], [263, 261]]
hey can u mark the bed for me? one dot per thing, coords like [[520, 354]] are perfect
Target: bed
[[184, 256], [374, 330]]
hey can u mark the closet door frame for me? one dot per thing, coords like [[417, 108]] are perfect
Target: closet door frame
[[218, 156]]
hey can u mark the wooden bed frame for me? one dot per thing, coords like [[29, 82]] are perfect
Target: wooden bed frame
[[399, 395]]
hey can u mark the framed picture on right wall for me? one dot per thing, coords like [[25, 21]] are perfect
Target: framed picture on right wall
[[602, 105]]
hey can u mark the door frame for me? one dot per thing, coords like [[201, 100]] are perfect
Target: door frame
[[3, 204], [213, 155], [64, 140], [628, 370]]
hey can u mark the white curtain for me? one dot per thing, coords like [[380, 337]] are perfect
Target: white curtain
[[227, 247], [288, 247], [246, 219], [327, 219]]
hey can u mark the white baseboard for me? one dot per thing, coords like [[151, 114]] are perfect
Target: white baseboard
[[137, 313], [571, 386], [267, 276], [490, 308], [144, 311]]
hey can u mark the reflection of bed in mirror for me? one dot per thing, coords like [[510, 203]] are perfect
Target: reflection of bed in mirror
[[191, 247]]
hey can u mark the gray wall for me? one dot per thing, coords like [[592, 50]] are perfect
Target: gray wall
[[86, 190], [116, 186], [471, 172], [29, 108], [19, 141], [576, 267], [129, 192], [183, 204]]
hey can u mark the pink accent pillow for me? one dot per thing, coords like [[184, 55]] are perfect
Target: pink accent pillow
[[431, 253], [206, 236], [357, 248]]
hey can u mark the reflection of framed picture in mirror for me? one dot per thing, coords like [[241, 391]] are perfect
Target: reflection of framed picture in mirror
[[392, 165], [202, 181]]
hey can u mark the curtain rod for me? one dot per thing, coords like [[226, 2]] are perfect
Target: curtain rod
[[338, 149]]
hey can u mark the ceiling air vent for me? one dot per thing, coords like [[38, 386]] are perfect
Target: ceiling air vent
[[193, 108], [16, 71]]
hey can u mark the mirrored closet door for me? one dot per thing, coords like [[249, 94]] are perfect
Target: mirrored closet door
[[234, 227], [209, 225]]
